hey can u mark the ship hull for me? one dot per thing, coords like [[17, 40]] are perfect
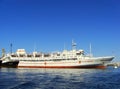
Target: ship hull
[[87, 67], [10, 64], [61, 64]]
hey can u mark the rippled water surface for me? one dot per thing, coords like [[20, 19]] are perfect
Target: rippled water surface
[[13, 78]]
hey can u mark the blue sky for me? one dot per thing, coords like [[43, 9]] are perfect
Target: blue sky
[[49, 25]]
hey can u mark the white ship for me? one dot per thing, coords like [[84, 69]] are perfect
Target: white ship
[[65, 59]]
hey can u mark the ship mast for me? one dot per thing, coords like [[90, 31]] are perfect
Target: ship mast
[[11, 48], [73, 45], [34, 47]]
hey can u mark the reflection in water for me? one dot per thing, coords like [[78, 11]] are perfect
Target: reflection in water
[[57, 78]]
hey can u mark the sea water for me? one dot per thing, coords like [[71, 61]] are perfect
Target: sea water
[[25, 78]]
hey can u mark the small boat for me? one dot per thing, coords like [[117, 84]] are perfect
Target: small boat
[[9, 63], [115, 67], [6, 61]]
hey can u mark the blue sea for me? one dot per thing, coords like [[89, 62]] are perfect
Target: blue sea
[[23, 78]]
